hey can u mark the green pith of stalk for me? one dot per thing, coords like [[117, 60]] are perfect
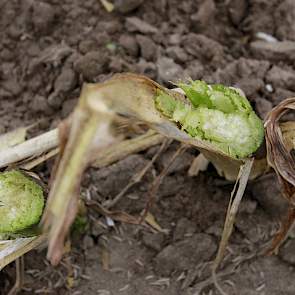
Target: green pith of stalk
[[21, 203], [215, 114]]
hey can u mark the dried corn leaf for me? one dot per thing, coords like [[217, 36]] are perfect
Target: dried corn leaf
[[150, 219], [279, 155], [12, 249], [30, 148], [109, 7], [235, 200], [279, 143], [200, 163]]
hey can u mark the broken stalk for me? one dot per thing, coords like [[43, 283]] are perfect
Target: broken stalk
[[132, 96]]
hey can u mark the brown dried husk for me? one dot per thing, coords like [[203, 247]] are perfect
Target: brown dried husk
[[280, 145]]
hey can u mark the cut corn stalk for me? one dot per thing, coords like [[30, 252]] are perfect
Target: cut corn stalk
[[162, 110]]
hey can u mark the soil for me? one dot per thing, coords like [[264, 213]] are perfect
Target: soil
[[49, 48]]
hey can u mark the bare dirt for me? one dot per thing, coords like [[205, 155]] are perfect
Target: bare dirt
[[49, 48]]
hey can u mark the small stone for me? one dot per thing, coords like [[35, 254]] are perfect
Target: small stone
[[130, 44], [168, 70], [269, 88], [125, 6], [148, 48]]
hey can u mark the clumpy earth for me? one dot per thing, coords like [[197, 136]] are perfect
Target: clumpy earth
[[49, 48]]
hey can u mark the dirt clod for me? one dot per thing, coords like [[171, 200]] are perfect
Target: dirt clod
[[130, 44], [274, 50], [147, 46], [43, 16], [237, 10], [136, 24], [285, 14], [168, 70], [91, 65], [205, 14], [287, 253], [185, 254]]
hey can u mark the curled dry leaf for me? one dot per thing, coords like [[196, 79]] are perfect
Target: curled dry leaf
[[279, 149], [279, 143]]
